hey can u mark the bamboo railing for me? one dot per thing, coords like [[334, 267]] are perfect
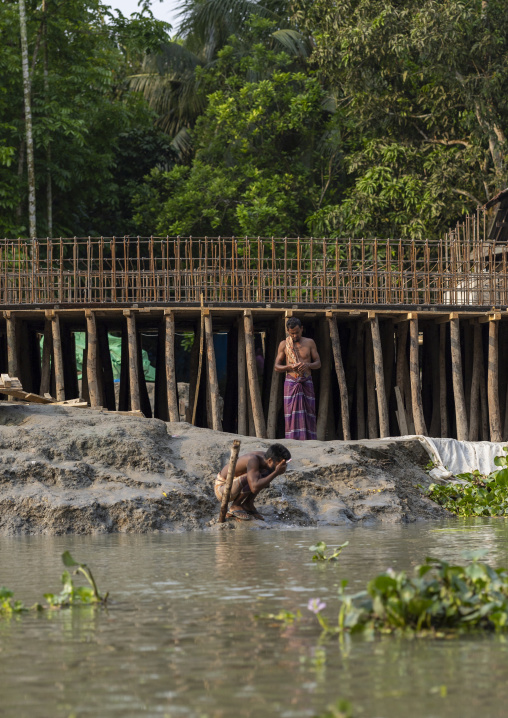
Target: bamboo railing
[[461, 269]]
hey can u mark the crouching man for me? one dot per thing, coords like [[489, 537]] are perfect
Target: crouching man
[[254, 472]]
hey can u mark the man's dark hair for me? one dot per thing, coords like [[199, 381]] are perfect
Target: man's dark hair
[[277, 452], [293, 322]]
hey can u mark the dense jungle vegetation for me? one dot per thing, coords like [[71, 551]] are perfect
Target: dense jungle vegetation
[[270, 117]]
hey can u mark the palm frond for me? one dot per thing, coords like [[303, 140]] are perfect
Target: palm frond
[[293, 41]]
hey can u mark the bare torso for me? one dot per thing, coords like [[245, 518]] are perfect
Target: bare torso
[[245, 462]]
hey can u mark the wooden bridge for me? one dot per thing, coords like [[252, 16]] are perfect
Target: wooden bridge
[[410, 333]]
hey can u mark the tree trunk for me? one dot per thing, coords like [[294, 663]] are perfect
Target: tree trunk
[[32, 226]]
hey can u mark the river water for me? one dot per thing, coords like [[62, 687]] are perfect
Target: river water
[[180, 638]]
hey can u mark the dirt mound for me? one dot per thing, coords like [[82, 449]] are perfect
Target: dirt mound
[[66, 470]]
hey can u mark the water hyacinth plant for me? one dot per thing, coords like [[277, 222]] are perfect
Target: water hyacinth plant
[[439, 597], [478, 495], [8, 605], [320, 551]]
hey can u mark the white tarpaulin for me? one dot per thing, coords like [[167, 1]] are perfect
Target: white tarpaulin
[[452, 457]]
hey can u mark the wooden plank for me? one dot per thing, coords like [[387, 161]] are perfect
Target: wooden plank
[[171, 387], [414, 374], [458, 382], [213, 383], [252, 374], [382, 404], [341, 376]]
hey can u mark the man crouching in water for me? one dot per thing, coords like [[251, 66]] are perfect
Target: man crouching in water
[[253, 473]]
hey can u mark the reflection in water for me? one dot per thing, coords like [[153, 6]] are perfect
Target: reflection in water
[[181, 639]]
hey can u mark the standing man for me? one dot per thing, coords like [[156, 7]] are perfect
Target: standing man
[[298, 356]]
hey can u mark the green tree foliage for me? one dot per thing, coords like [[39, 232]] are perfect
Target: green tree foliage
[[81, 107], [424, 83], [260, 165]]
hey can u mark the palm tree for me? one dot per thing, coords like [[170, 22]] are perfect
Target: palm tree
[[168, 79]]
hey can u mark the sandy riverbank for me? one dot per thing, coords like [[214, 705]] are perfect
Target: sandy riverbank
[[81, 471]]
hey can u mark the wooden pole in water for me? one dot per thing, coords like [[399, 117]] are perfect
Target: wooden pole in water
[[213, 383], [458, 383], [57, 356], [271, 427], [242, 427], [133, 360], [172, 392], [382, 404], [414, 374], [91, 359], [443, 405], [493, 383], [229, 480], [474, 406], [341, 376], [252, 372], [47, 350], [324, 384]]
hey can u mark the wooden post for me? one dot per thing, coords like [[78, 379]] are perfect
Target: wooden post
[[341, 376], [382, 405], [193, 371], [174, 414], [229, 480], [242, 428], [271, 428], [124, 391], [91, 359], [57, 355], [433, 351], [105, 369], [252, 373], [443, 405], [324, 384], [360, 382], [12, 349], [458, 382], [370, 381], [474, 406], [47, 350], [213, 383], [493, 384], [414, 374], [133, 360]]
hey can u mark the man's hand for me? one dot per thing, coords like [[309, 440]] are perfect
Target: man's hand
[[280, 467], [303, 367]]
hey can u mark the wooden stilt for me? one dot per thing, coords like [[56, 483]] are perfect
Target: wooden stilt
[[230, 404], [68, 341], [160, 409], [493, 384], [388, 342], [484, 426], [341, 376], [325, 383], [382, 404], [144, 397], [351, 364], [174, 414], [133, 360], [466, 343], [433, 352], [242, 382], [123, 394], [193, 372], [414, 373], [401, 376], [474, 406], [255, 394], [360, 382], [370, 381], [107, 385], [85, 394], [47, 351], [91, 359], [57, 356], [443, 406], [212, 375], [271, 428], [458, 383], [12, 349]]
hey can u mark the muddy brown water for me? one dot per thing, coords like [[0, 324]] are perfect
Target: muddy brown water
[[180, 638]]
